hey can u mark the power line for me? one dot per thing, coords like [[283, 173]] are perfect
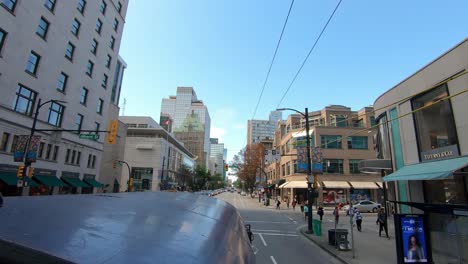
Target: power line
[[310, 51], [272, 60]]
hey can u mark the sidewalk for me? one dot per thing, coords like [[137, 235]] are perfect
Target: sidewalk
[[369, 247]]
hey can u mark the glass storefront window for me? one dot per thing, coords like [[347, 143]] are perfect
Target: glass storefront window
[[435, 126], [333, 166], [450, 191]]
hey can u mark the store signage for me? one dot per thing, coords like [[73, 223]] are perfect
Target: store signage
[[440, 153], [413, 237]]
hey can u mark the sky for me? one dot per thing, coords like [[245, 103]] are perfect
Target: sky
[[223, 49]]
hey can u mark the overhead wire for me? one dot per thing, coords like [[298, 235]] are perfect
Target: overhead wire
[[310, 52], [273, 60]]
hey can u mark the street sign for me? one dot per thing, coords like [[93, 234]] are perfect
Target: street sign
[[19, 183], [89, 136]]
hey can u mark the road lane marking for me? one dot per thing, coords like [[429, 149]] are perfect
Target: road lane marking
[[269, 222], [276, 234], [290, 218], [267, 230], [263, 240], [255, 249], [273, 260]]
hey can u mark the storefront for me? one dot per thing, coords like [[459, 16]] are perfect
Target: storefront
[[9, 180], [48, 183], [142, 178], [93, 184], [75, 184], [362, 191], [334, 193]]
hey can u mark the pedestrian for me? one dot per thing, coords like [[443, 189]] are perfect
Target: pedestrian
[[278, 202], [294, 204], [382, 222], [306, 212], [336, 213], [320, 212], [287, 202], [302, 206], [358, 216]]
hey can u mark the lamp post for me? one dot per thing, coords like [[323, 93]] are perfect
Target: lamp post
[[310, 181], [27, 162]]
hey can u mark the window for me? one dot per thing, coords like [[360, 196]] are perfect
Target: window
[[55, 114], [50, 4], [119, 7], [25, 100], [89, 68], [33, 63], [357, 142], [40, 151], [76, 27], [331, 142], [78, 158], [89, 160], [288, 168], [435, 126], [78, 122], [104, 81], [13, 143], [93, 162], [354, 166], [295, 166], [9, 5], [112, 43], [99, 106], [81, 6], [84, 96], [56, 150], [97, 126], [372, 121], [2, 38], [5, 139], [70, 51], [333, 166], [94, 46], [62, 82], [116, 24], [67, 156], [48, 150], [339, 121], [98, 26], [72, 161], [103, 7], [42, 28], [108, 61], [283, 170]]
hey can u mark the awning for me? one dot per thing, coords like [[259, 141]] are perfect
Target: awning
[[74, 182], [336, 184], [283, 185], [297, 184], [31, 183], [364, 185], [50, 181], [379, 184], [9, 178], [435, 170], [94, 183]]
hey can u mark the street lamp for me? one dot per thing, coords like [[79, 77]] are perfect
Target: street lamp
[[309, 166], [27, 162]]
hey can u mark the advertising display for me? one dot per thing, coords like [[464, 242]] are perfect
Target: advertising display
[[360, 195], [302, 160], [413, 240], [333, 196]]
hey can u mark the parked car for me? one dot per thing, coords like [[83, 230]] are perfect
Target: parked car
[[365, 206], [243, 193]]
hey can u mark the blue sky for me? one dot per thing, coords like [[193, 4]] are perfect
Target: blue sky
[[223, 49]]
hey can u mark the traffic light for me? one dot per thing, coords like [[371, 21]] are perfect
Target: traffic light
[[112, 131], [226, 167], [20, 172], [30, 172]]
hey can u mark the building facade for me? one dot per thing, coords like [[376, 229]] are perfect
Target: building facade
[[259, 130], [154, 156], [216, 157], [66, 51], [188, 118], [423, 131], [345, 138]]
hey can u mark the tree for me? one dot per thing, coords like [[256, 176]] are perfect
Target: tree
[[185, 177], [249, 163], [201, 178]]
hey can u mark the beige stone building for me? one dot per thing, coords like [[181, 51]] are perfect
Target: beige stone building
[[345, 138]]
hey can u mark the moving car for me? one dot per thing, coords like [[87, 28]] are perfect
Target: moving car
[[365, 206]]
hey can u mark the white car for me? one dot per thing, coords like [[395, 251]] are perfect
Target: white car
[[365, 206], [243, 193]]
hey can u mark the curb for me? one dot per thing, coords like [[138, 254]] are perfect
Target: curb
[[324, 247]]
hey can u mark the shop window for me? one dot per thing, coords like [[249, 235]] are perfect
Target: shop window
[[449, 191], [331, 142], [356, 142], [435, 126], [354, 166], [333, 166]]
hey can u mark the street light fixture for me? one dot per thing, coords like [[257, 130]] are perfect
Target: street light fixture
[[310, 180]]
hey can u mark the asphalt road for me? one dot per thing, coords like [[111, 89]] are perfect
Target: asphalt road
[[276, 233]]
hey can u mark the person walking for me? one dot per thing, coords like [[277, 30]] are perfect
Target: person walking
[[320, 212], [294, 204], [302, 207], [306, 212], [287, 202], [278, 203], [336, 213], [382, 222], [358, 216]]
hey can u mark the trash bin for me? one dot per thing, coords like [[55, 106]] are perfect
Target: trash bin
[[341, 236], [317, 224]]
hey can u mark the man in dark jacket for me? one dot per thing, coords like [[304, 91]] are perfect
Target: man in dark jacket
[[382, 222]]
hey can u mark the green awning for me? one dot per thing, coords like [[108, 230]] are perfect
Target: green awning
[[74, 182], [434, 170], [94, 183], [31, 183], [50, 181], [9, 178]]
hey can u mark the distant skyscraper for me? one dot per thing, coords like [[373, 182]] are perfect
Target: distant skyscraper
[[216, 157], [259, 130], [189, 120]]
